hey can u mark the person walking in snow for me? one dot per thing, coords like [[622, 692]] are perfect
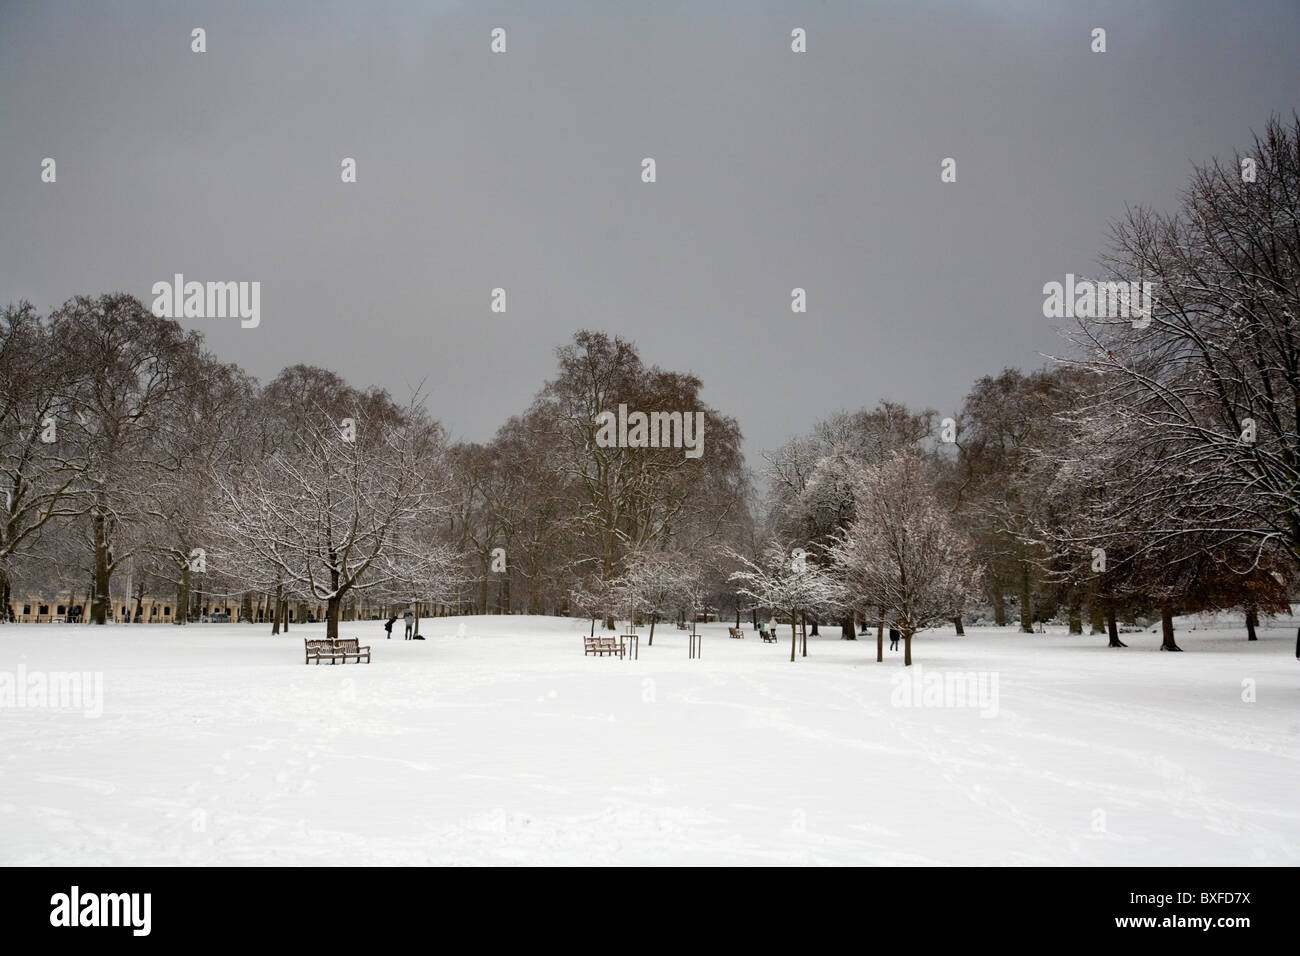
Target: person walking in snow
[[388, 626], [893, 638], [409, 619]]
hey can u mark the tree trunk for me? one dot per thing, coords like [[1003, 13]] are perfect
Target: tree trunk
[[907, 647], [182, 615], [961, 631], [6, 608], [1098, 617], [332, 616], [794, 636], [279, 608], [999, 605], [284, 612], [803, 628], [1076, 617], [100, 608], [1026, 601], [814, 625], [880, 637], [737, 615], [1252, 619], [1112, 628], [848, 628], [1167, 628], [653, 618]]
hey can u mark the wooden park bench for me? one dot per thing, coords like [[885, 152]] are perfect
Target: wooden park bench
[[351, 647], [600, 646], [335, 649], [736, 632], [769, 637]]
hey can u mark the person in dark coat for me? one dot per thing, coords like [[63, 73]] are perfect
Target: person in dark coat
[[388, 626], [893, 638]]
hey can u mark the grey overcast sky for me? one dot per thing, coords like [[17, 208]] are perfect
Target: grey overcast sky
[[522, 170]]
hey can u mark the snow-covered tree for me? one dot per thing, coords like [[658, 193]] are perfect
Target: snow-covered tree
[[902, 552], [657, 582], [1202, 394], [338, 510], [1132, 553], [597, 598], [813, 478], [787, 581]]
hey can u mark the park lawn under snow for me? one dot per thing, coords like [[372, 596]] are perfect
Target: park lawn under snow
[[217, 745]]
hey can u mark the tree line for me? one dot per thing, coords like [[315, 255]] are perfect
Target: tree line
[[1152, 469], [1149, 470]]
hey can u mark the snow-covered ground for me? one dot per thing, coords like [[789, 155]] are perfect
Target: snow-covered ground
[[216, 745]]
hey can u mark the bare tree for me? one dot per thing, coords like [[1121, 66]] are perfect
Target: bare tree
[[215, 412], [1008, 429], [631, 498], [123, 426], [37, 477]]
